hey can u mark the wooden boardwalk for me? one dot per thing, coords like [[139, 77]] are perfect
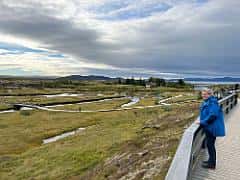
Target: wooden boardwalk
[[228, 153]]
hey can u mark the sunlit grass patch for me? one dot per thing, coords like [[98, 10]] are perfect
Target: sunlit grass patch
[[109, 104], [76, 156]]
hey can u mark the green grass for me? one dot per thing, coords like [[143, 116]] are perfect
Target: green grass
[[27, 131], [42, 100], [112, 104], [147, 101], [23, 156], [184, 97], [4, 107], [33, 91], [90, 154], [79, 153]]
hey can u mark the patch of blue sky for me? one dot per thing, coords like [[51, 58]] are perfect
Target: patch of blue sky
[[15, 48], [10, 53], [202, 1], [110, 6], [137, 12], [56, 56], [18, 72]]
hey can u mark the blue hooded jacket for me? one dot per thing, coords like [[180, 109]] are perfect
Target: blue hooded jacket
[[211, 117]]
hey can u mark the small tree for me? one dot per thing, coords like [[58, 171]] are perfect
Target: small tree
[[119, 81], [181, 82]]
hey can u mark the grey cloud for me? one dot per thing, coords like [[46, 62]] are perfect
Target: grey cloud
[[206, 42]]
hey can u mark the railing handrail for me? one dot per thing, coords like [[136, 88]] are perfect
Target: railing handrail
[[190, 145]]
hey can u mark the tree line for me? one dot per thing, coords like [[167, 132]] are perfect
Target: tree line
[[152, 82]]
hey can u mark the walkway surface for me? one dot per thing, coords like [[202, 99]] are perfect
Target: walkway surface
[[228, 152]]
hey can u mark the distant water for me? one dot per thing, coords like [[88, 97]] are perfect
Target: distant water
[[134, 100], [61, 136], [8, 111], [211, 83], [200, 85], [62, 95]]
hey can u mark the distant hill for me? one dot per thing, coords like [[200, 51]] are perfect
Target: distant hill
[[223, 79], [105, 78], [87, 78]]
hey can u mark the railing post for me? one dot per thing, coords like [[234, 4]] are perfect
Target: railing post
[[236, 99]]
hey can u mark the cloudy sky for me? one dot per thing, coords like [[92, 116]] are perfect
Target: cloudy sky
[[164, 38]]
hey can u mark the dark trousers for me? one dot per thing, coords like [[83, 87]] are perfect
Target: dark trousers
[[210, 142]]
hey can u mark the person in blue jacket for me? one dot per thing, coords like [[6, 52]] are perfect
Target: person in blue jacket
[[212, 121]]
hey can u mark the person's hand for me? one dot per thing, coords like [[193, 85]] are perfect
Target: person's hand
[[197, 121]]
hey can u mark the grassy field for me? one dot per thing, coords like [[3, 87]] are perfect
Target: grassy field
[[147, 101], [184, 97], [23, 156], [113, 104], [110, 104], [43, 100], [89, 91], [33, 91], [4, 106], [144, 101], [128, 144]]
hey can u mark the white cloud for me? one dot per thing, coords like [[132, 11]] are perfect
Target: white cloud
[[46, 65], [189, 37]]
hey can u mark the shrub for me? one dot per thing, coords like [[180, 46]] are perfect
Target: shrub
[[25, 113]]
